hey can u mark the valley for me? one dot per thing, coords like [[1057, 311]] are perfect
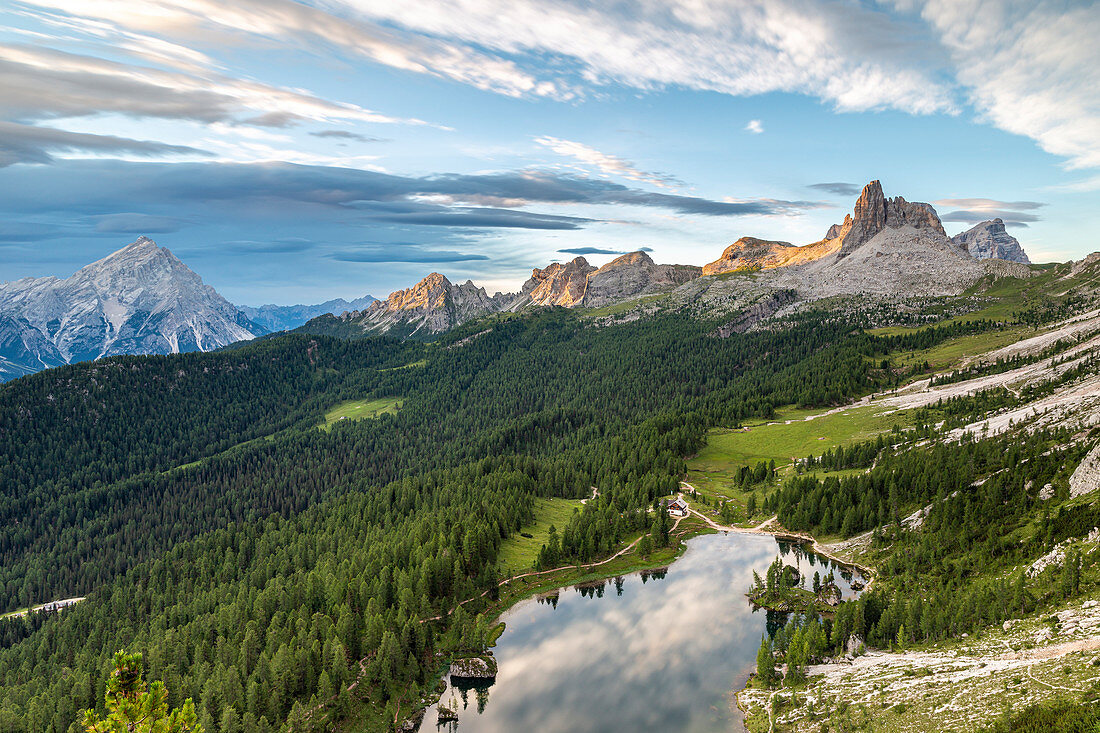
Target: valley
[[543, 365], [472, 459]]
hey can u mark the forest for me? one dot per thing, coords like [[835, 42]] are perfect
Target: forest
[[261, 566]]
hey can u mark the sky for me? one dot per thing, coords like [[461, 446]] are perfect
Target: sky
[[293, 152]]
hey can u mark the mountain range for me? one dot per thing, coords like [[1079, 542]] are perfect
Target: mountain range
[[144, 300], [886, 246], [284, 317], [140, 299]]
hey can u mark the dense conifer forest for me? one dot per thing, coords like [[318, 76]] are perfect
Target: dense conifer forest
[[261, 565]]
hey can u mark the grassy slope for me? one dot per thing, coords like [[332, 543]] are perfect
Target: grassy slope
[[519, 553], [789, 435], [950, 353], [361, 410], [623, 306]]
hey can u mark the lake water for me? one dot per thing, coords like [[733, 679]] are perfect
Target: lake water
[[661, 651]]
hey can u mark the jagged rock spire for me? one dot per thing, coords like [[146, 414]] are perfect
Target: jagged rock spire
[[874, 212]]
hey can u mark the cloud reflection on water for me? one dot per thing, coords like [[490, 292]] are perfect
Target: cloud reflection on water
[[662, 656]]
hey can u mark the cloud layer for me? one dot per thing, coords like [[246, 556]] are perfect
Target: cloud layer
[[974, 210], [837, 188], [377, 195], [1028, 68]]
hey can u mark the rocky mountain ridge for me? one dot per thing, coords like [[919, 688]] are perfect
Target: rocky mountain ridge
[[285, 317], [140, 299], [435, 304], [886, 246]]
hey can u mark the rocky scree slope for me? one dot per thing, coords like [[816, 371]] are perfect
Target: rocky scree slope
[[138, 300]]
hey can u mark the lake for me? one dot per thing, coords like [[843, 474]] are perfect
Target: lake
[[651, 651]]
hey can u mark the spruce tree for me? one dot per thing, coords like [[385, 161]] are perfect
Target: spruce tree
[[134, 707], [765, 662]]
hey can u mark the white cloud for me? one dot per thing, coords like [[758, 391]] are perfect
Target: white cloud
[[982, 204], [1083, 185], [37, 83], [755, 127], [855, 57], [241, 22], [1031, 68], [1028, 68], [606, 163]]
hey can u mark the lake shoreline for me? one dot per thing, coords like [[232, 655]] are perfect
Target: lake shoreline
[[553, 581]]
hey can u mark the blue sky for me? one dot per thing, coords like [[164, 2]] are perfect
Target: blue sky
[[295, 152]]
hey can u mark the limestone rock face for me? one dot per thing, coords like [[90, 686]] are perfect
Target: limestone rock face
[[749, 252], [1088, 264], [1086, 479], [431, 306], [559, 283], [764, 254], [874, 212], [989, 241], [632, 275]]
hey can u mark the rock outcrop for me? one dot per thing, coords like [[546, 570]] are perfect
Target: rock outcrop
[[1086, 478], [750, 253], [140, 299], [874, 213], [633, 275], [764, 308], [431, 306], [477, 668], [990, 241], [558, 283]]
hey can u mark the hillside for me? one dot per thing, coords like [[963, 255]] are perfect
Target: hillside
[[360, 523]]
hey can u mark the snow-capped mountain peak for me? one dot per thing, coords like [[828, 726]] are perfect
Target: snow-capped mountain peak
[[140, 299]]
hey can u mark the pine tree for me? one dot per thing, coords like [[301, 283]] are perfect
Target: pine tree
[[134, 707], [765, 662]]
